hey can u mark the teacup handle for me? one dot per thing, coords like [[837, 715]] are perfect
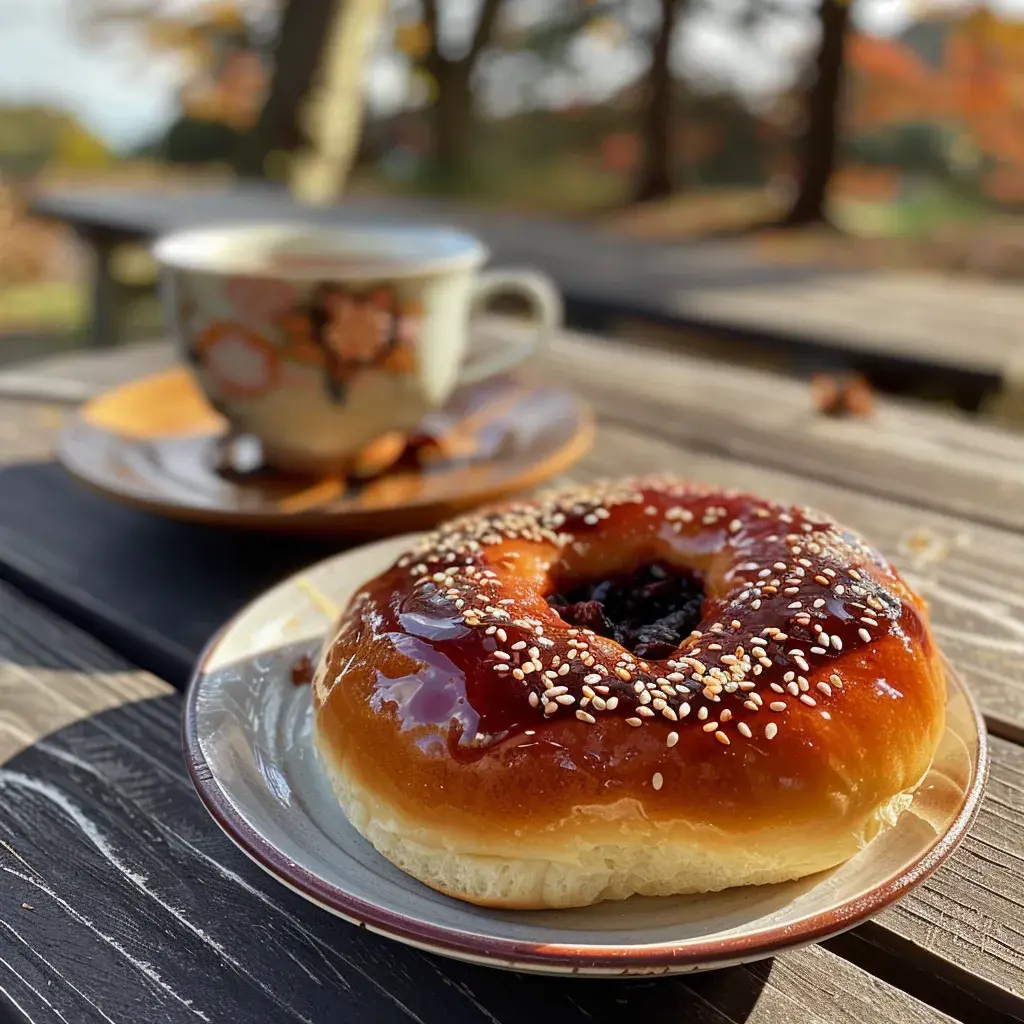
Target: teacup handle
[[545, 306]]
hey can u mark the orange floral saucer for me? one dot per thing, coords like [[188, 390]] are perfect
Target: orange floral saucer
[[157, 445]]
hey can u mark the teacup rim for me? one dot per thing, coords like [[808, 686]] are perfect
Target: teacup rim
[[180, 250]]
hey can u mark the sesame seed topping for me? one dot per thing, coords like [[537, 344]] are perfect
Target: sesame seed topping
[[744, 729], [778, 705], [864, 635], [722, 738], [584, 716], [672, 739], [771, 731], [657, 781]]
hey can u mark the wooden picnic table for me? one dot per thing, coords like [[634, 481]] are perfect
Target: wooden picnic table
[[960, 336], [123, 902]]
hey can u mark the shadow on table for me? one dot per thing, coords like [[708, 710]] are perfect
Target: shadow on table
[[105, 837], [153, 590]]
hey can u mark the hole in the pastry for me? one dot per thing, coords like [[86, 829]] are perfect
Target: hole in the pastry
[[650, 612]]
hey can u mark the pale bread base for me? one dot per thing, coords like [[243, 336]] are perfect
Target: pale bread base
[[686, 860]]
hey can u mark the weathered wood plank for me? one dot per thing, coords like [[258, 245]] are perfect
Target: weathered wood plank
[[953, 321], [939, 459], [122, 901], [971, 911], [942, 460], [971, 575]]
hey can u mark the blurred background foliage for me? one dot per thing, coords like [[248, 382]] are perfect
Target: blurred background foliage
[[867, 132]]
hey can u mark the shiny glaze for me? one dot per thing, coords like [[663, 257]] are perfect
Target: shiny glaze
[[444, 681]]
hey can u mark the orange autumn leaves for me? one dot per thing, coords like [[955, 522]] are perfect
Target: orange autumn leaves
[[338, 331]]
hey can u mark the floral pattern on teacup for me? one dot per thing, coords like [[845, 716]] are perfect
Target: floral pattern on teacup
[[259, 300], [300, 344], [241, 363], [358, 330], [340, 332]]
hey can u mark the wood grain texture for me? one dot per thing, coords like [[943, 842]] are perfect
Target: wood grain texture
[[82, 680], [957, 321], [27, 430], [969, 912], [123, 903], [78, 376], [938, 459]]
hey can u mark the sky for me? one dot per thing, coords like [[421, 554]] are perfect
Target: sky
[[126, 94]]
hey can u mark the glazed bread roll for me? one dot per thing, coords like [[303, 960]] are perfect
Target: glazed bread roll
[[637, 687]]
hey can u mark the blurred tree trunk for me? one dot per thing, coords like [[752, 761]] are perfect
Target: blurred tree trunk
[[657, 121], [298, 52], [332, 118], [453, 113], [820, 141]]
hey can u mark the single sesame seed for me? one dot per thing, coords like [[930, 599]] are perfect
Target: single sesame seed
[[744, 729], [770, 731], [702, 713], [672, 739], [778, 705], [722, 738], [684, 709], [825, 689], [710, 726], [657, 781], [533, 699], [635, 722], [584, 716], [864, 635], [836, 642], [808, 699]]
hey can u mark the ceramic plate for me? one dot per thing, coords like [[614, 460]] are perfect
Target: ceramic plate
[[249, 747], [155, 444]]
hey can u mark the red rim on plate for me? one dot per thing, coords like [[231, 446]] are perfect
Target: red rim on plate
[[574, 958]]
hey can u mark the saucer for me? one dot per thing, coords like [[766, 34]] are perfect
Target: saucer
[[249, 748], [157, 445]]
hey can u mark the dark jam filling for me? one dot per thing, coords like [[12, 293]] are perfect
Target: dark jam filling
[[649, 612]]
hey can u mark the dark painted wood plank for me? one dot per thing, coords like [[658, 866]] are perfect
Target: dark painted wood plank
[[122, 902]]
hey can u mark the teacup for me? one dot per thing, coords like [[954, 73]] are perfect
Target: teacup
[[318, 340]]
